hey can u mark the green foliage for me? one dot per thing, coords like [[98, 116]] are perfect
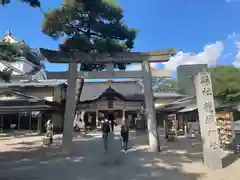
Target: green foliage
[[4, 2], [181, 91], [172, 51], [226, 83], [166, 85], [8, 52], [32, 3], [6, 75], [90, 26]]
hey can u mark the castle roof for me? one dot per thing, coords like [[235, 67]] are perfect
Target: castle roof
[[32, 55]]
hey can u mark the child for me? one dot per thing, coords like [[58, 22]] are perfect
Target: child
[[125, 135]]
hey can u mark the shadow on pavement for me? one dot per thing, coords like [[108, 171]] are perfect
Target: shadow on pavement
[[18, 134], [229, 159], [88, 162]]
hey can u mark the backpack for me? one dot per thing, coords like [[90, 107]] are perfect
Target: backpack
[[124, 129], [106, 127]]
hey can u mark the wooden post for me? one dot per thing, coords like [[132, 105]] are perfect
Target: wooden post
[[123, 115], [39, 123], [69, 108], [30, 120], [97, 118], [19, 120], [150, 108], [207, 120], [2, 123]]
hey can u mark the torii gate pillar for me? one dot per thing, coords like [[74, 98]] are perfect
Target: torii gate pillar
[[149, 108], [69, 108]]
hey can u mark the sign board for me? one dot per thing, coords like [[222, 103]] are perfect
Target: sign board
[[171, 125], [185, 77], [207, 120]]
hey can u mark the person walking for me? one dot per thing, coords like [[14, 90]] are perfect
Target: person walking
[[49, 131], [111, 120], [105, 132], [125, 135]]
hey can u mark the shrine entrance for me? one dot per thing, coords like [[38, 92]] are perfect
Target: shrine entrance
[[73, 58]]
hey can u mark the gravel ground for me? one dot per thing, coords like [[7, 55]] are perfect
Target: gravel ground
[[26, 158]]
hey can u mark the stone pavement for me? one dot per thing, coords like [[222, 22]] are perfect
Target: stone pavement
[[179, 160]]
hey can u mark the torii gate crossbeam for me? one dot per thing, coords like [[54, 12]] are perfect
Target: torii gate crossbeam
[[107, 74]]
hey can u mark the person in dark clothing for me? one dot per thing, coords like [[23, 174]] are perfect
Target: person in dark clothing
[[105, 131], [112, 121], [125, 135]]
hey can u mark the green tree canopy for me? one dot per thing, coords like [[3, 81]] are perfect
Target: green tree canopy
[[8, 53], [226, 83], [165, 85], [90, 26], [32, 3]]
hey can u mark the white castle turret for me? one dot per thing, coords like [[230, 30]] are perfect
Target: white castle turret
[[27, 65]]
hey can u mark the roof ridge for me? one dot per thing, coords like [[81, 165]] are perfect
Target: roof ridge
[[8, 34], [106, 82], [19, 93]]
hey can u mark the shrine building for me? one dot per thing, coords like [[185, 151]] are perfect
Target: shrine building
[[123, 99]]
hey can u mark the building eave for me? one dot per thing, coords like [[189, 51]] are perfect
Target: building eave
[[31, 84]]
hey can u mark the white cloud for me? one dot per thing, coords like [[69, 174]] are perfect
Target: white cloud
[[137, 66], [235, 37], [210, 56], [236, 63]]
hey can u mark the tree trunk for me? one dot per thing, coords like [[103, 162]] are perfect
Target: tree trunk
[[78, 115], [80, 88], [81, 84]]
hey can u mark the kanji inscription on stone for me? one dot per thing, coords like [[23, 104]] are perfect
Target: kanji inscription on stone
[[207, 91], [208, 106], [213, 145], [205, 80], [209, 118], [211, 131]]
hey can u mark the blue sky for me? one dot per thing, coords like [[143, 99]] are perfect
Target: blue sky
[[187, 25]]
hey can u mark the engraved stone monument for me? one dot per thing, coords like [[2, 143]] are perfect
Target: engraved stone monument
[[207, 120]]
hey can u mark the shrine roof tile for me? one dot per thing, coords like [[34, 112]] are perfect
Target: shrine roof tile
[[132, 90], [94, 90]]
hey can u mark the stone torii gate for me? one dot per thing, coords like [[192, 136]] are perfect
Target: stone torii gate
[[73, 58]]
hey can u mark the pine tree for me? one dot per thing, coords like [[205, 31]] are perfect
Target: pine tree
[[90, 26], [32, 3], [8, 53]]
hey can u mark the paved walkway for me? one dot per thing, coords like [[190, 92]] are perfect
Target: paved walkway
[[179, 160]]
